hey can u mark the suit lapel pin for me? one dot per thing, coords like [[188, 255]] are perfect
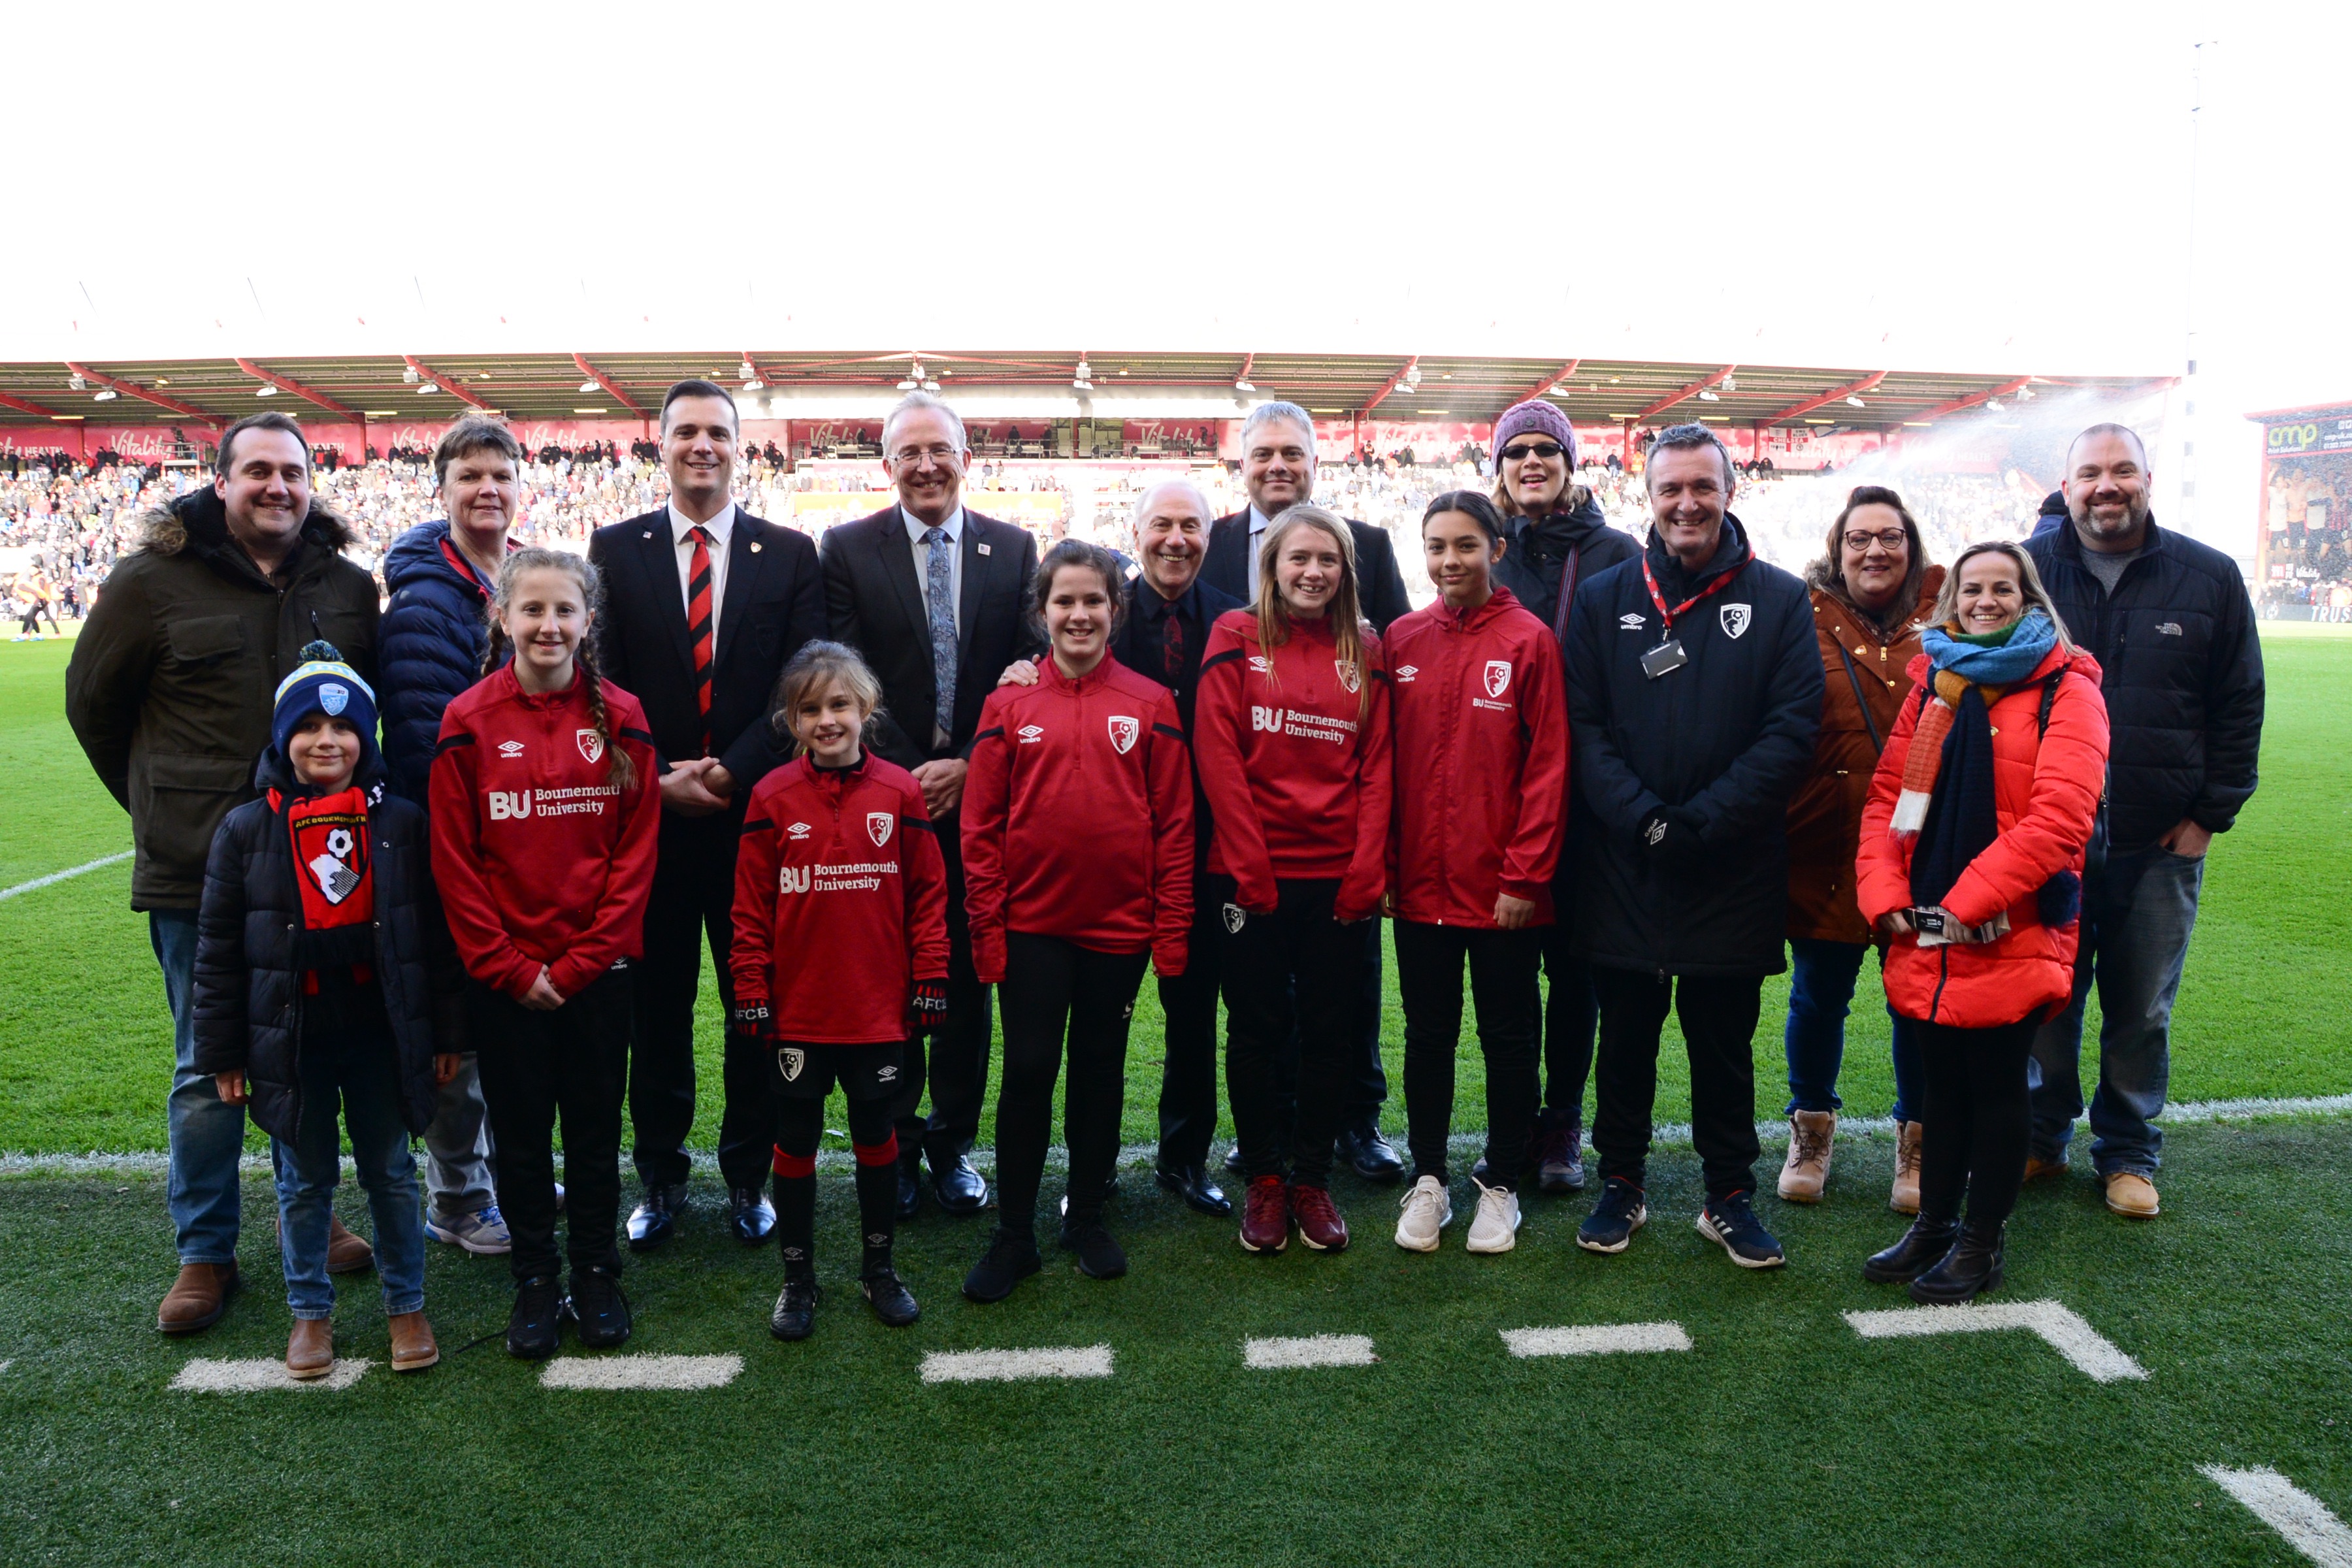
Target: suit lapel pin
[[755, 547], [983, 550], [648, 533]]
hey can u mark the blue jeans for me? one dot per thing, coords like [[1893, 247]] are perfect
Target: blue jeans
[[206, 1133], [310, 1166], [2137, 915], [1820, 986]]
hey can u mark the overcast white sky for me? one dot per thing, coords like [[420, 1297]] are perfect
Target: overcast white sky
[[1990, 187]]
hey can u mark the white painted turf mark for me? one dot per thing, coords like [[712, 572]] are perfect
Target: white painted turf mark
[[1016, 1366], [2286, 1507], [262, 1376], [1315, 1349], [1597, 1339], [66, 876], [666, 1374], [2092, 1352]]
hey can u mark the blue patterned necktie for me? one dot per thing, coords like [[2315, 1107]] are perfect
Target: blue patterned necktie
[[940, 592]]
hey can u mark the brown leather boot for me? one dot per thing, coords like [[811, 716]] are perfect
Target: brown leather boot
[[196, 1298], [1808, 1169], [311, 1348], [1905, 1197], [346, 1253], [413, 1349]]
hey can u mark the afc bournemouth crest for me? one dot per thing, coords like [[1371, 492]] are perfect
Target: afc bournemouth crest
[[1350, 675], [592, 744], [1234, 916], [790, 1061], [1735, 619], [877, 826], [1498, 677], [1123, 732]]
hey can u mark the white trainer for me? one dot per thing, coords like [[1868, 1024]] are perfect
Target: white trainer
[[1427, 1211], [1495, 1227], [482, 1233]]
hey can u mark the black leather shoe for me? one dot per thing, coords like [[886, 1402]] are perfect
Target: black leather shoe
[[753, 1216], [1194, 1185], [1970, 1268], [795, 1314], [538, 1315], [911, 1188], [1922, 1247], [959, 1188], [1371, 1155], [1235, 1164], [1099, 1257], [1010, 1259], [651, 1221], [891, 1300], [600, 1308]]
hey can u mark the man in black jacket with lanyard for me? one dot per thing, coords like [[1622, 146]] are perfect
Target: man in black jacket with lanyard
[[1278, 471], [703, 606], [1694, 693], [933, 596], [2181, 668]]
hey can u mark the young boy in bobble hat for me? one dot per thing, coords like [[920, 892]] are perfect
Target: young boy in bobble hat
[[324, 977]]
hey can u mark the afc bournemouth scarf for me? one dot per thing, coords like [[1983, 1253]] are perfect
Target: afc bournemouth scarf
[[336, 883], [1986, 666]]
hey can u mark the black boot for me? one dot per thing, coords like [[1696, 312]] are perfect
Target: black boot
[[1921, 1249], [1972, 1266], [795, 1314]]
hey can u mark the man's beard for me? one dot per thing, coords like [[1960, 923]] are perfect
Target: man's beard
[[2134, 515]]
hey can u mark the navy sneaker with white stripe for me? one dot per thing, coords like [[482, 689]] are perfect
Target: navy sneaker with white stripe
[[1732, 1223]]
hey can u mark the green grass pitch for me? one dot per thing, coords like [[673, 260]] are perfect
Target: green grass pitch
[[1781, 1436]]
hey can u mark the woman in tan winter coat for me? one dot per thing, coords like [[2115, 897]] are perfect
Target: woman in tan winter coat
[[1870, 592]]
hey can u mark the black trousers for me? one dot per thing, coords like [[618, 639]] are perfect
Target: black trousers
[[1296, 972], [1571, 1013], [535, 1065], [693, 902], [1718, 1013], [1188, 1078], [1055, 990], [953, 1063], [1978, 1119], [1503, 985]]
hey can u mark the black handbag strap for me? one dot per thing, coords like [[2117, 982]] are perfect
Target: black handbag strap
[[1855, 676]]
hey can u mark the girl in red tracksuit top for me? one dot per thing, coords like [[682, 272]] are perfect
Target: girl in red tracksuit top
[[840, 954], [1480, 719], [544, 818], [1077, 861], [1293, 739]]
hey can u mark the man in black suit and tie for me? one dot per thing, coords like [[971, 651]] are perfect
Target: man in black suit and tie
[[1278, 471], [933, 596], [703, 604]]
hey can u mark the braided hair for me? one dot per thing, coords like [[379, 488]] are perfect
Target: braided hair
[[618, 769]]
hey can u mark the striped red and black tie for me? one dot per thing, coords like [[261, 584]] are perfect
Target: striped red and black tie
[[698, 623]]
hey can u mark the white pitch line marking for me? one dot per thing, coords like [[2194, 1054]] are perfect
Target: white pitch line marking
[[1315, 1350], [2092, 1352], [665, 1373], [263, 1375], [1017, 1366], [1597, 1339], [2286, 1507], [66, 876]]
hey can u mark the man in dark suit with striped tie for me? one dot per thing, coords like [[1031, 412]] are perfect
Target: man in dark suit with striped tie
[[703, 603]]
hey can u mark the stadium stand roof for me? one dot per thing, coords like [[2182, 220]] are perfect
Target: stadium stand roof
[[1211, 385]]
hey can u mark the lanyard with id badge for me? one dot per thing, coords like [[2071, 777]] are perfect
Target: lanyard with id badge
[[1669, 655]]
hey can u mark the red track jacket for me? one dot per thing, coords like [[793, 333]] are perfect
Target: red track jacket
[[841, 902], [1078, 817], [540, 859], [1296, 766], [1480, 717]]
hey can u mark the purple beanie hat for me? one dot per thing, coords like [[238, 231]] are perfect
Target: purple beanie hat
[[1536, 417]]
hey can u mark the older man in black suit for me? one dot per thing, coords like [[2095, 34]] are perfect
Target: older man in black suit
[[703, 606], [933, 596]]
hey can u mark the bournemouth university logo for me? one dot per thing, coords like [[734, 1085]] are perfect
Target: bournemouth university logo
[[1498, 677], [877, 826], [790, 1061], [507, 803], [1123, 732], [1350, 675], [1263, 718], [791, 879], [1735, 619], [592, 744]]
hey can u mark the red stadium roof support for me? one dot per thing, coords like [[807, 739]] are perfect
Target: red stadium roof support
[[1692, 390], [1393, 382], [1242, 374], [452, 384], [1835, 395], [1548, 382], [1960, 405], [288, 384], [600, 379], [146, 393], [21, 407]]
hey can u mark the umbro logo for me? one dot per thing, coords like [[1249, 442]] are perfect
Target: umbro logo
[[1633, 621], [1261, 665], [799, 831], [1407, 672], [1030, 735], [510, 749]]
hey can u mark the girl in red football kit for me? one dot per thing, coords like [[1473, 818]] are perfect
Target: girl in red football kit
[[1293, 720], [1078, 853], [1480, 719], [840, 954], [544, 816]]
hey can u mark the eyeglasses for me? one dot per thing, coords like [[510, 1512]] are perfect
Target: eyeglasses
[[1890, 539], [1520, 451], [912, 456]]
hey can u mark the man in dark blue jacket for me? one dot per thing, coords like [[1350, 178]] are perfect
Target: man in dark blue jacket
[[2170, 624], [1694, 693]]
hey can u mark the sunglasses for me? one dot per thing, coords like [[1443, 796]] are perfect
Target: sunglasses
[[1520, 451]]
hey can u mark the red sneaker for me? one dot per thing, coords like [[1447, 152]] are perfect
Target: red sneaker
[[1265, 1216], [1319, 1225]]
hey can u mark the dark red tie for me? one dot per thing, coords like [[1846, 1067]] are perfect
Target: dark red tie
[[1171, 646], [698, 623]]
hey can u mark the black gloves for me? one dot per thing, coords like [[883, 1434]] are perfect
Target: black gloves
[[752, 1019], [926, 1009]]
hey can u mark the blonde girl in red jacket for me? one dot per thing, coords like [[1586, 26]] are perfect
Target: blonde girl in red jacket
[[1970, 863], [1077, 856], [1293, 739]]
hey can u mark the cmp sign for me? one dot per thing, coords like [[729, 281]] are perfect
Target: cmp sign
[[2303, 437]]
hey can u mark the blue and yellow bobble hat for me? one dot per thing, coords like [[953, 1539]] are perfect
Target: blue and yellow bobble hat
[[323, 683]]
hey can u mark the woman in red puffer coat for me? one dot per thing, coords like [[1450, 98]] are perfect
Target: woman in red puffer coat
[[1970, 863]]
